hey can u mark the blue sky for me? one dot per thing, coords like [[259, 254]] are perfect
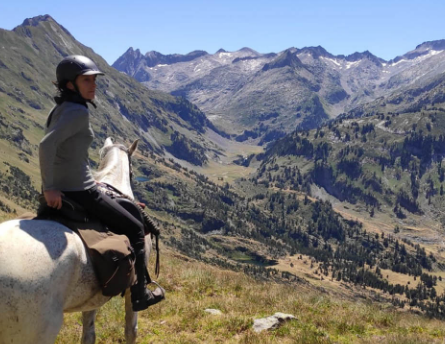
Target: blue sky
[[385, 28]]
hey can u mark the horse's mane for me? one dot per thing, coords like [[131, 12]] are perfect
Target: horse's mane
[[107, 161]]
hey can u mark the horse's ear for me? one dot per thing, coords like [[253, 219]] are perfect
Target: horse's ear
[[133, 147], [108, 142]]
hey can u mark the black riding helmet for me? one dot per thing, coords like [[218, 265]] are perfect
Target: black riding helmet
[[72, 66], [68, 70]]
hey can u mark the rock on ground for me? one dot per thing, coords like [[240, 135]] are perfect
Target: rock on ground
[[213, 311], [271, 322]]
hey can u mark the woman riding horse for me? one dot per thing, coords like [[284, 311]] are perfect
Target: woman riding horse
[[65, 168]]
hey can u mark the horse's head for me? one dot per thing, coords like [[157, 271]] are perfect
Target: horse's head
[[115, 165]]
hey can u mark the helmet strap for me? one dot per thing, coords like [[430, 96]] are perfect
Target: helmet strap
[[76, 89], [80, 95]]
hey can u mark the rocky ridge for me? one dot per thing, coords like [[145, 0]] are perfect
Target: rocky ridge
[[262, 93]]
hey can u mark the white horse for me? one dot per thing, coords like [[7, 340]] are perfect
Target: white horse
[[46, 271]]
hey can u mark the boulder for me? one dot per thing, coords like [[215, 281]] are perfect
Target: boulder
[[271, 322], [213, 311]]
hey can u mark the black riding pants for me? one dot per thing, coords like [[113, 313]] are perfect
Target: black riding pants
[[112, 214]]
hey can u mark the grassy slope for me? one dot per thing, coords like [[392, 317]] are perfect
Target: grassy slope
[[193, 286]]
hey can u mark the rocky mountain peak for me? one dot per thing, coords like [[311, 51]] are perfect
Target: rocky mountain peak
[[28, 25], [130, 61], [135, 53], [316, 52], [287, 59], [365, 55], [249, 51], [422, 49], [34, 21], [153, 53], [195, 54], [432, 45], [221, 51]]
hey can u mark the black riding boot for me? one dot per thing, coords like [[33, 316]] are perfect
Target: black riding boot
[[141, 297]]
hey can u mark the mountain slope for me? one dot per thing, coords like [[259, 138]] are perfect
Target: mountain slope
[[125, 108], [389, 164]]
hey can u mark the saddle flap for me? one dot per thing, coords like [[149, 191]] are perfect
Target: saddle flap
[[113, 258]]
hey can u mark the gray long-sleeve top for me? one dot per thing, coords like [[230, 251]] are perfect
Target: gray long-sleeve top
[[63, 151]]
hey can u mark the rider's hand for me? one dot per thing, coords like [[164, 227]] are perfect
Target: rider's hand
[[53, 198]]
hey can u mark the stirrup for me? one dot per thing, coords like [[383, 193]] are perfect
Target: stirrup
[[156, 284], [158, 293], [150, 298]]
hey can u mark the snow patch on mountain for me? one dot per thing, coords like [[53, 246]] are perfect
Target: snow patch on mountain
[[398, 62], [351, 64], [418, 59], [330, 60]]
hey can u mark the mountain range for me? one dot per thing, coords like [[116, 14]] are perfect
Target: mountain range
[[269, 95]]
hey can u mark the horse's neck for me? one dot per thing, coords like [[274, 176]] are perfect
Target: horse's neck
[[117, 175]]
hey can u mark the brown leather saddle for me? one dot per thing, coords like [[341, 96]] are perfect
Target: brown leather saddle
[[112, 255]]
